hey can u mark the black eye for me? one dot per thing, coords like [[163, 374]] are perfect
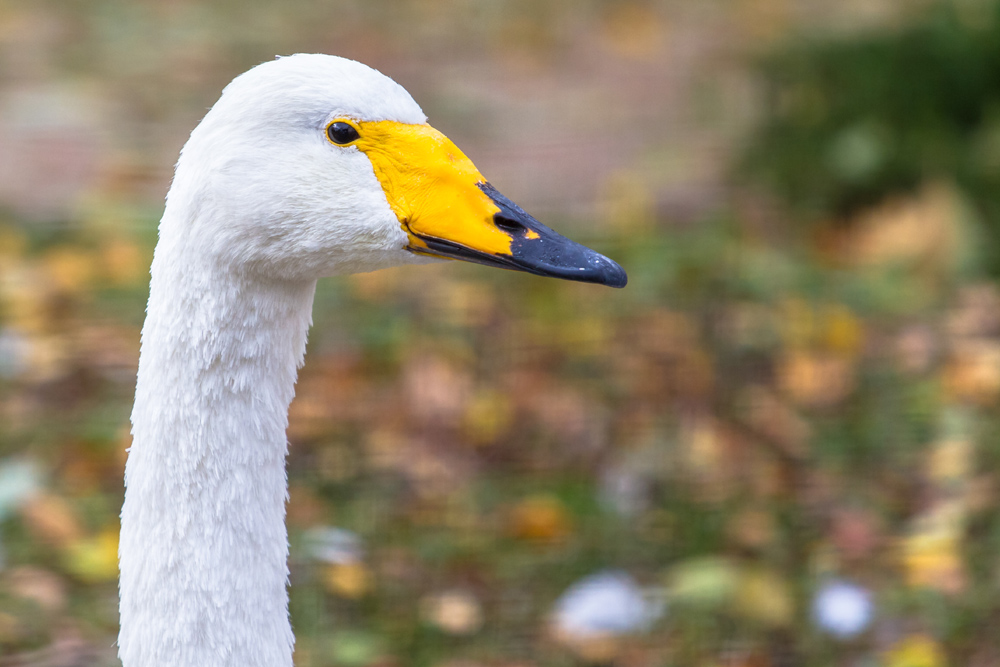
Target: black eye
[[341, 133]]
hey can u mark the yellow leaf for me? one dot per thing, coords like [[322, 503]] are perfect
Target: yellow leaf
[[915, 651], [71, 269], [488, 416], [843, 331], [123, 262], [763, 595], [94, 559], [931, 555], [347, 580]]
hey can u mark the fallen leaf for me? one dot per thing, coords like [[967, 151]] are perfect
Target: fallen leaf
[[540, 518], [454, 612], [351, 580], [52, 519]]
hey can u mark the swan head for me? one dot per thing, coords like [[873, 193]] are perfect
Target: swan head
[[314, 165]]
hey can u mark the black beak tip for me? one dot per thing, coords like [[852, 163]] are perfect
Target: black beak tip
[[610, 273]]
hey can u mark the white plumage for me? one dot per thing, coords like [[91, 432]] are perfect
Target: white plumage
[[262, 204]]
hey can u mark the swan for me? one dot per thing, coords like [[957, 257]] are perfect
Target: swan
[[307, 166]]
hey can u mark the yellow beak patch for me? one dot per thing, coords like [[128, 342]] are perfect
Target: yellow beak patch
[[432, 187]]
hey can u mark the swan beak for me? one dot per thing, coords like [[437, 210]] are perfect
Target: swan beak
[[534, 248], [448, 209]]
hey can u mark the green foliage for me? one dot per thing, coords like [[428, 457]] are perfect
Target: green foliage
[[850, 121]]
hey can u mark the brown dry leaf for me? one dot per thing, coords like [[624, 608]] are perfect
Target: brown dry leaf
[[437, 389], [52, 519], [752, 528], [114, 350], [42, 586], [434, 476], [981, 493], [592, 650], [309, 415], [567, 412], [82, 472], [771, 417], [916, 347], [855, 533], [454, 612], [540, 518], [977, 312], [973, 372], [950, 461], [924, 230], [305, 508], [815, 379]]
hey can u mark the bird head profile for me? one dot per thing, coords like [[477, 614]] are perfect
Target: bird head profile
[[315, 165], [307, 166]]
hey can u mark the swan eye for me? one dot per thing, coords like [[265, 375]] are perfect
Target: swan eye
[[341, 133]]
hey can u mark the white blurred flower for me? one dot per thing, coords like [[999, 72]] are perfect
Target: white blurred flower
[[843, 609], [606, 603], [20, 479], [15, 353], [336, 546]]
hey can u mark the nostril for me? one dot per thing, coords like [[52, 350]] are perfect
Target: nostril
[[509, 225]]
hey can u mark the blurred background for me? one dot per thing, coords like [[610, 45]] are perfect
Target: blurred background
[[778, 446]]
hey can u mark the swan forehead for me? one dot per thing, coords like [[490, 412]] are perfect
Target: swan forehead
[[310, 89]]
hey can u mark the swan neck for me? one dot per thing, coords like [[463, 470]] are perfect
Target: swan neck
[[203, 544]]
